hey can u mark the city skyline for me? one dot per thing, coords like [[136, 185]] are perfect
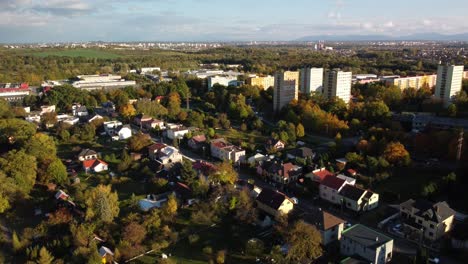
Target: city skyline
[[209, 20]]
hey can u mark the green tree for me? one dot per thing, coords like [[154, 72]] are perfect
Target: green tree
[[139, 141], [102, 204], [189, 175], [300, 130], [224, 174], [16, 243], [42, 147], [304, 243], [20, 171], [169, 210], [4, 203], [16, 131], [57, 172]]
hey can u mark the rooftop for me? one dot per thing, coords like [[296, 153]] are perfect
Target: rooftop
[[333, 182], [366, 236], [271, 198]]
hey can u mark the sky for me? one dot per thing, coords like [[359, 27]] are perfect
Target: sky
[[217, 20]]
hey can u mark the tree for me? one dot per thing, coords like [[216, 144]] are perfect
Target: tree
[[304, 243], [16, 243], [45, 257], [151, 108], [134, 233], [452, 110], [42, 147], [396, 154], [189, 175], [102, 204], [224, 174], [19, 171], [169, 210], [245, 210], [127, 111], [16, 131], [57, 172], [139, 141], [4, 203], [173, 105], [300, 130]]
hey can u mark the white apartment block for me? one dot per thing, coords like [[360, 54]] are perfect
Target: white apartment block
[[337, 83], [311, 80], [286, 89], [222, 80], [449, 82]]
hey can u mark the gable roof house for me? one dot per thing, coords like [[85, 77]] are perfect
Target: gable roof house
[[79, 110], [141, 118], [302, 152], [284, 173], [274, 144], [223, 150], [87, 154], [125, 132], [197, 142], [329, 226], [319, 175], [153, 124], [95, 165], [434, 219], [366, 243], [358, 199], [164, 153], [330, 187], [274, 203]]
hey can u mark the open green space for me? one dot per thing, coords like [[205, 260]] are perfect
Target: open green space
[[86, 53]]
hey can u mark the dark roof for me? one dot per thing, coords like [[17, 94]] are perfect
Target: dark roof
[[333, 182], [352, 192], [87, 152], [435, 212], [271, 198], [354, 260], [302, 152], [322, 219], [366, 236]]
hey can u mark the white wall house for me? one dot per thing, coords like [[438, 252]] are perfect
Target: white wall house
[[177, 132], [367, 243], [224, 150], [125, 133]]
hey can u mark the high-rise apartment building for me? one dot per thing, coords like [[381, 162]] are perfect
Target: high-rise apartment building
[[337, 83], [449, 82], [286, 89], [311, 80], [262, 82]]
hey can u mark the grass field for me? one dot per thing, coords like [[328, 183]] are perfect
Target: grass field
[[86, 53]]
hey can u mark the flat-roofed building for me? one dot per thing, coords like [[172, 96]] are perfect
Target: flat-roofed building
[[449, 82], [311, 80], [286, 89], [337, 83], [262, 82]]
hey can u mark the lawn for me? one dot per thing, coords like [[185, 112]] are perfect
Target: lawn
[[236, 135], [86, 53]]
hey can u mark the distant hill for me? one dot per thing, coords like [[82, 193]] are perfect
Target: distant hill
[[419, 36]]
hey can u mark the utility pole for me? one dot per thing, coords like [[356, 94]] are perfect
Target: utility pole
[[188, 101]]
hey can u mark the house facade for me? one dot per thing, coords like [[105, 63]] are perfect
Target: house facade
[[274, 144], [434, 219], [224, 150], [330, 226], [283, 173], [164, 153], [177, 132], [329, 189], [358, 199], [274, 203], [125, 133], [367, 243], [197, 142]]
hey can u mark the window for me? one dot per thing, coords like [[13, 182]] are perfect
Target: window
[[420, 221], [431, 234], [431, 225]]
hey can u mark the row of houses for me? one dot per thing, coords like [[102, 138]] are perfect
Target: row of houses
[[362, 244]]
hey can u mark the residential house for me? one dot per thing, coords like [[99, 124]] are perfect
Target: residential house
[[302, 152], [153, 124], [87, 154], [177, 132], [274, 144], [319, 175], [124, 132], [274, 203], [141, 118], [95, 165], [358, 199], [111, 127], [106, 254], [284, 173], [330, 188], [153, 201], [203, 167], [79, 110], [257, 158], [164, 153], [47, 109], [434, 219], [95, 118], [224, 150], [197, 142], [330, 226], [366, 243]]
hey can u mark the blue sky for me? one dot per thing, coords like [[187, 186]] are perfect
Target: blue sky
[[211, 20]]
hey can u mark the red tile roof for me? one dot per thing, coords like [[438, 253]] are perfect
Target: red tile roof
[[322, 174], [92, 163], [333, 182]]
